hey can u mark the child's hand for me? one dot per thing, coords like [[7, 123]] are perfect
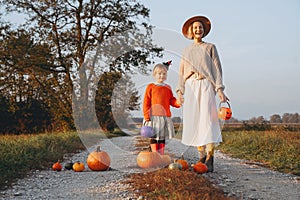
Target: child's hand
[[147, 122]]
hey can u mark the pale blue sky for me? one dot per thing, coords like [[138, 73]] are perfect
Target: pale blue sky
[[257, 40], [258, 43]]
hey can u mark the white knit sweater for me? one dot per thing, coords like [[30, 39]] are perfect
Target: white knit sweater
[[202, 59]]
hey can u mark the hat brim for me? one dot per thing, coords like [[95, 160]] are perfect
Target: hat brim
[[204, 20]]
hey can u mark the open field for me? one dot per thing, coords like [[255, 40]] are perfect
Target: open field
[[277, 149]]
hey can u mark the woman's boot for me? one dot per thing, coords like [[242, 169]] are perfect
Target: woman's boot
[[202, 154], [209, 161]]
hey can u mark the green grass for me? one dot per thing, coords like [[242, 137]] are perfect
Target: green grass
[[276, 149], [22, 153]]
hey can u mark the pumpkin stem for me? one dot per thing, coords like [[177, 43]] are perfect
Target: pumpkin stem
[[182, 158], [98, 149]]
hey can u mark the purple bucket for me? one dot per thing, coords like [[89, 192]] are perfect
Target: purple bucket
[[147, 131]]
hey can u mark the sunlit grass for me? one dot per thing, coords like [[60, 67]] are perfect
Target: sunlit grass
[[22, 153], [277, 149]]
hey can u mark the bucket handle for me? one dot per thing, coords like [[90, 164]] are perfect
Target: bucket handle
[[224, 102], [144, 123]]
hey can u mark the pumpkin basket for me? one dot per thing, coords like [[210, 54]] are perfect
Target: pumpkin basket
[[224, 113]]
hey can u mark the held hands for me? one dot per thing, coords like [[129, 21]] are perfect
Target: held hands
[[180, 98]]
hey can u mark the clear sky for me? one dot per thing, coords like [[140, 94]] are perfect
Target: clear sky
[[258, 43]]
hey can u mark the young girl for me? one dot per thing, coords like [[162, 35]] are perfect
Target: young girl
[[200, 78], [156, 108]]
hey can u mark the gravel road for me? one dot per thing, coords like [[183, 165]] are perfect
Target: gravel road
[[234, 176]]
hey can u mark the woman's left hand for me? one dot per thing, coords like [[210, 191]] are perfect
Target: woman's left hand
[[222, 96]]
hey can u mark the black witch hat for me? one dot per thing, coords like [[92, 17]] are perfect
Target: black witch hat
[[167, 64]]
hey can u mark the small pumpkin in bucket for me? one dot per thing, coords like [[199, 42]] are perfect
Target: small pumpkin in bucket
[[224, 113]]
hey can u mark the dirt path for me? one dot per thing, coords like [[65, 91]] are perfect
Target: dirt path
[[234, 177], [251, 181]]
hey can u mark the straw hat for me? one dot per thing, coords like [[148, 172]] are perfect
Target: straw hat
[[187, 28]]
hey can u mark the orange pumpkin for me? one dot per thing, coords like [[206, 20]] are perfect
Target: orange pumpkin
[[98, 160], [165, 160], [148, 159], [184, 163], [57, 166], [78, 166], [224, 113], [200, 167]]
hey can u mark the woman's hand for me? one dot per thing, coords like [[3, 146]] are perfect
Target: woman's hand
[[222, 96], [180, 98]]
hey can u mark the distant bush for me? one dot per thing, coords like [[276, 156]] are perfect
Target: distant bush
[[263, 126]]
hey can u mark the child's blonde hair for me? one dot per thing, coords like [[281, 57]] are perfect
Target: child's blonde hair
[[159, 66]]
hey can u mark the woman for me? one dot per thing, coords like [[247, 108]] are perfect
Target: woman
[[200, 78]]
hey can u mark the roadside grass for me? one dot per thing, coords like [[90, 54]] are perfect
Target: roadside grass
[[19, 154], [276, 149]]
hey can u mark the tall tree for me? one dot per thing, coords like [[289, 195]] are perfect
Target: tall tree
[[85, 39], [25, 75]]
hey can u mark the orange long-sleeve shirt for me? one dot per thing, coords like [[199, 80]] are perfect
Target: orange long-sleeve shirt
[[157, 101]]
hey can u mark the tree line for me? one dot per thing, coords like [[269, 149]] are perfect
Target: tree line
[[286, 118], [58, 70]]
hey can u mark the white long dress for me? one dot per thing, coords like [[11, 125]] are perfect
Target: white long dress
[[200, 118]]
